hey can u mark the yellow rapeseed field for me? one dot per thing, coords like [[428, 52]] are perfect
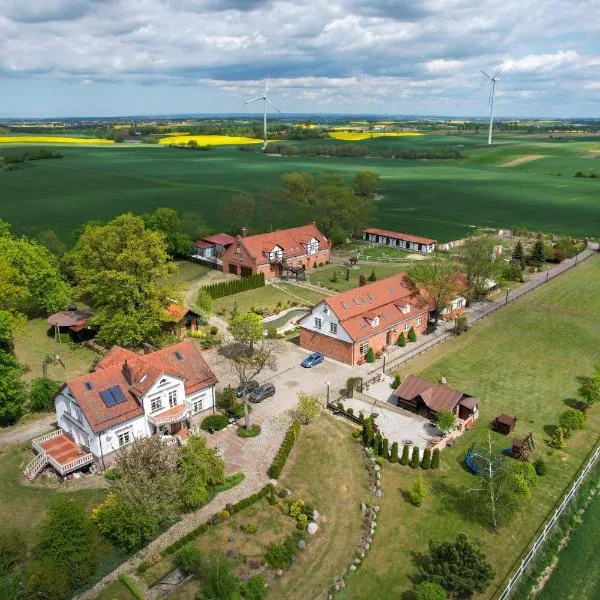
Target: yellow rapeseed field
[[209, 140], [352, 136], [50, 139]]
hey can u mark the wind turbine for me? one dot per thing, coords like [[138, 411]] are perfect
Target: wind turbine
[[493, 81], [266, 101]]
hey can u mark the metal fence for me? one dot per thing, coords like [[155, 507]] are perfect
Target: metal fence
[[550, 522]]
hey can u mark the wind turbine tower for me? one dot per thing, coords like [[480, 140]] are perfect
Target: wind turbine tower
[[266, 101], [492, 81]]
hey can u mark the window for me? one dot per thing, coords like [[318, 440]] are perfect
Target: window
[[318, 323], [198, 405], [419, 321], [333, 327], [172, 398], [155, 404], [363, 347], [326, 310], [124, 437], [406, 326]]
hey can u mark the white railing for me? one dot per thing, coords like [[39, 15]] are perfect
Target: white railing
[[172, 418], [33, 469], [539, 541], [86, 459], [37, 442]]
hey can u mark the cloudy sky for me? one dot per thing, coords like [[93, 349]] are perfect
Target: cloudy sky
[[124, 57]]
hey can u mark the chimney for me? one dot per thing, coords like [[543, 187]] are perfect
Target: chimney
[[244, 232], [127, 373]]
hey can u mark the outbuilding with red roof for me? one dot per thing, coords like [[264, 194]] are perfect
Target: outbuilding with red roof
[[402, 241]]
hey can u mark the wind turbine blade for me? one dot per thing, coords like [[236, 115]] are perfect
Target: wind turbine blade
[[267, 84], [497, 72], [486, 74], [272, 105], [254, 100]]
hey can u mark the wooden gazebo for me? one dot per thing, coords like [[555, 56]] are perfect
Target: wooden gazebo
[[504, 424], [73, 322]]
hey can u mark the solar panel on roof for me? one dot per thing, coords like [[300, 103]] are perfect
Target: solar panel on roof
[[117, 394], [112, 396], [107, 397]]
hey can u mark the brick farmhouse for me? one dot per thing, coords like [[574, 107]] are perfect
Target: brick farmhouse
[[344, 326], [270, 253]]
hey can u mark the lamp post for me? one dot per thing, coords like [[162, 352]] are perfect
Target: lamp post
[[506, 300], [384, 357], [327, 382], [547, 273]]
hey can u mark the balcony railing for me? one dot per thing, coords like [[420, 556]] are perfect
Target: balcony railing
[[171, 415], [37, 442]]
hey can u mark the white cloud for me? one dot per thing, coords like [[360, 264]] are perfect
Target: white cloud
[[541, 62]]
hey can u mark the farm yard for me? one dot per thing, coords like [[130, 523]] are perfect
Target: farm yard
[[524, 361], [442, 199]]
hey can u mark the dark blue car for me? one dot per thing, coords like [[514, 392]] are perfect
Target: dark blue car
[[314, 359]]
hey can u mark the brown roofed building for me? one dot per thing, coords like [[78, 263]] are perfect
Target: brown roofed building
[[270, 253], [180, 319], [402, 241], [344, 326]]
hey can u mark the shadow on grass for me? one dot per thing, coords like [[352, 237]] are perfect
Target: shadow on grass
[[550, 429]]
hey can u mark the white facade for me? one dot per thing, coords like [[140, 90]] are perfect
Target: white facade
[[323, 320], [456, 304], [167, 393], [399, 243]]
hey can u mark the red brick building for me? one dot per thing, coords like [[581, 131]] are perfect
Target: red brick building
[[270, 253], [343, 327]]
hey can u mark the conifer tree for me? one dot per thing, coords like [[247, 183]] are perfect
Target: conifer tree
[[394, 453], [412, 335], [426, 462], [414, 461], [435, 459], [405, 455], [518, 255], [385, 449], [402, 340]]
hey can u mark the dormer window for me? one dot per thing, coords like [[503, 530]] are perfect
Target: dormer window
[[163, 381], [313, 246], [276, 254], [404, 309]]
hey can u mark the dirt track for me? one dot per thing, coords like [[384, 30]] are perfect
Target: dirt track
[[522, 160]]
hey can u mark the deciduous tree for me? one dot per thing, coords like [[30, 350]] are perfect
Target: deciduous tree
[[590, 387], [366, 183], [477, 256], [238, 212], [446, 421], [308, 407], [42, 392], [167, 221]]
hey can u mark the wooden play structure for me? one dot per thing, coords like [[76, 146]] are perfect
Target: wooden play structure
[[521, 448], [504, 424]]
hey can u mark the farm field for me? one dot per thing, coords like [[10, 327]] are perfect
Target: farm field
[[524, 361], [576, 576], [439, 199]]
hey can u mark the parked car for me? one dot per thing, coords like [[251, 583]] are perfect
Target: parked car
[[266, 390], [249, 386], [314, 359]]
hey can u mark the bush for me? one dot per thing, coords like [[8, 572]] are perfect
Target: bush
[[279, 555], [350, 411], [248, 433], [214, 423], [396, 383], [249, 528], [189, 560], [394, 453], [402, 340], [219, 581], [435, 459], [414, 459], [308, 407], [571, 420], [204, 301], [462, 325], [41, 394], [286, 447], [430, 591], [377, 443], [385, 452], [412, 335], [12, 551], [255, 588], [302, 521], [372, 277], [426, 462], [418, 491], [405, 455], [112, 474], [335, 278], [214, 330], [128, 582], [370, 355], [558, 439], [540, 467], [272, 333]]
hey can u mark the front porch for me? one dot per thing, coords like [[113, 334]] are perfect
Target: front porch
[[173, 424], [59, 451]]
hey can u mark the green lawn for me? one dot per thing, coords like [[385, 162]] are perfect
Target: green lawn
[[525, 361], [323, 275], [115, 591], [187, 271], [32, 345], [576, 576], [441, 199], [268, 297]]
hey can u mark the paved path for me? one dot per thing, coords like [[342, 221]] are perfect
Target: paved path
[[23, 433]]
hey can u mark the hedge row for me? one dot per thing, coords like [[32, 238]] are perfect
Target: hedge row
[[284, 450], [216, 519], [131, 586], [235, 286]]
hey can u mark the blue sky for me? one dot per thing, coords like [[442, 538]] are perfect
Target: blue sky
[[123, 57]]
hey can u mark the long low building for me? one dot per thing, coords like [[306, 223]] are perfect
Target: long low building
[[345, 326], [402, 241]]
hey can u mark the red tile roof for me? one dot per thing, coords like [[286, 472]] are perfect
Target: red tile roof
[[71, 318], [384, 299], [437, 397], [417, 239], [202, 244], [135, 375], [223, 239], [176, 312], [293, 241]]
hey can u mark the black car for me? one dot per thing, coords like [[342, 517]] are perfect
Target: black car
[[266, 390], [248, 387]]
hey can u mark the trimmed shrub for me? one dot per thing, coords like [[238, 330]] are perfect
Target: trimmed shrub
[[396, 383], [435, 459], [418, 491], [402, 340], [214, 330], [394, 453], [372, 277], [412, 335], [367, 433], [414, 459], [385, 452], [249, 528], [540, 467], [248, 433], [558, 439], [189, 560], [571, 420], [426, 462], [335, 278], [405, 455], [377, 443], [255, 588], [128, 582], [430, 591], [370, 355], [235, 286], [284, 451], [214, 423]]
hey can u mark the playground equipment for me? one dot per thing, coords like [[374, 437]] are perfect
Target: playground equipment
[[521, 448]]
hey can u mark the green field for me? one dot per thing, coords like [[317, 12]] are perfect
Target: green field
[[524, 361], [439, 199]]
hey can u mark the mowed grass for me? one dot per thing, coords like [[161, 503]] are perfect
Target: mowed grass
[[324, 275], [115, 591], [186, 272], [524, 361], [441, 199], [268, 297], [33, 345], [576, 576]]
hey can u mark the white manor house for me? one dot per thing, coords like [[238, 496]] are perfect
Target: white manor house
[[127, 397]]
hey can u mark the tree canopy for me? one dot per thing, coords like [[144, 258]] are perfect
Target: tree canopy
[[366, 183], [477, 256], [590, 386], [167, 221], [119, 266]]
